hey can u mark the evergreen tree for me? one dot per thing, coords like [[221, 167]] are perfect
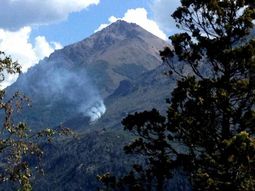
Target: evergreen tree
[[211, 110], [152, 145]]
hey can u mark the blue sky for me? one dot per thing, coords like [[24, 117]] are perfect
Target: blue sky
[[82, 24], [32, 29]]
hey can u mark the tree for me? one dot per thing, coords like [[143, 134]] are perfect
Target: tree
[[212, 104], [19, 146], [152, 143], [211, 110]]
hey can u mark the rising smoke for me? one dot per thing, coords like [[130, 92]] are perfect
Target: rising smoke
[[96, 111], [65, 85]]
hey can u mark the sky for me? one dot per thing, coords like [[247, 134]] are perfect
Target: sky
[[32, 29]]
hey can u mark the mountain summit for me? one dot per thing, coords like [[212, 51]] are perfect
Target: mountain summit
[[120, 51], [77, 78]]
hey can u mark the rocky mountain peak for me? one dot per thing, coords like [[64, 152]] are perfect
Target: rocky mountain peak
[[85, 73], [121, 27], [116, 32]]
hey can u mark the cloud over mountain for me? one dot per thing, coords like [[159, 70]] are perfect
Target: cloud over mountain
[[18, 46], [15, 14], [140, 17], [18, 16]]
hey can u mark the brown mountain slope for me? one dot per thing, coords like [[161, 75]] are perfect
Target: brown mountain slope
[[120, 51], [82, 75]]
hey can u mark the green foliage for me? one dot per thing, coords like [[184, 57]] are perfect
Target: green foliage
[[7, 66], [211, 111], [213, 104], [231, 168], [152, 142], [18, 144]]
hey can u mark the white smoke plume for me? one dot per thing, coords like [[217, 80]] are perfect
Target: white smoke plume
[[96, 111], [62, 84]]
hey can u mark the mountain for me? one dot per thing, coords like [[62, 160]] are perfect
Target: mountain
[[120, 51], [81, 76], [90, 86]]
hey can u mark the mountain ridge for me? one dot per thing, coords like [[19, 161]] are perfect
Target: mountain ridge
[[59, 84]]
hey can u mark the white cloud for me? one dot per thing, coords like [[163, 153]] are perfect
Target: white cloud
[[102, 26], [162, 11], [15, 14], [140, 17], [17, 45], [43, 48], [111, 20], [16, 19]]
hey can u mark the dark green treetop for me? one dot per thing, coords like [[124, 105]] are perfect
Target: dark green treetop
[[211, 111], [213, 103]]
